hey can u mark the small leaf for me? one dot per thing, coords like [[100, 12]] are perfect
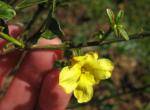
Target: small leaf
[[123, 33], [54, 26], [6, 11], [28, 3], [119, 16], [115, 28], [111, 16], [48, 34]]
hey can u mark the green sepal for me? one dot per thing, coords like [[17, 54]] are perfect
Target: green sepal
[[47, 34]]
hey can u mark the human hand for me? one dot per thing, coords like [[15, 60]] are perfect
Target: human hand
[[35, 86]]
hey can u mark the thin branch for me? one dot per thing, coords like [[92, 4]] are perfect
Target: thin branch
[[132, 37], [35, 16], [106, 34], [97, 43], [8, 79], [36, 35], [11, 39], [70, 46], [51, 6], [47, 47]]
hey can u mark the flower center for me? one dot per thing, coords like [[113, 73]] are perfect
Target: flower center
[[84, 70]]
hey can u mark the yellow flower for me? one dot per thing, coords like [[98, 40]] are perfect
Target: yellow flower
[[86, 71]]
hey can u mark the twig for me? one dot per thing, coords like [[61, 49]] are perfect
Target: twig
[[47, 47], [37, 34], [12, 2], [132, 37], [70, 46], [34, 18], [96, 43], [106, 34], [11, 39], [8, 79], [51, 7]]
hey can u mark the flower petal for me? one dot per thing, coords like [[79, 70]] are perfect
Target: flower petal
[[105, 64], [93, 55], [101, 74], [68, 78], [89, 56], [79, 58], [84, 90]]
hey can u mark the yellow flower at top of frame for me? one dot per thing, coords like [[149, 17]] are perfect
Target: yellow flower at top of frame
[[83, 74]]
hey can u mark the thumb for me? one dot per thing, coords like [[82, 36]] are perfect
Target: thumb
[[55, 41]]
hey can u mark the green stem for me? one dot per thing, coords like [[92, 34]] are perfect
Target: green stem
[[11, 39], [68, 45], [53, 7], [47, 47], [106, 34], [94, 43]]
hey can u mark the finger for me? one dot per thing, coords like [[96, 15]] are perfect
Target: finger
[[15, 30], [28, 80], [55, 41], [52, 96], [7, 62], [24, 89]]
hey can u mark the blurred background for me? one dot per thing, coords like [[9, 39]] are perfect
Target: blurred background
[[129, 87]]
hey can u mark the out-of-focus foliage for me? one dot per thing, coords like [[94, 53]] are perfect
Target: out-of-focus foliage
[[6, 11]]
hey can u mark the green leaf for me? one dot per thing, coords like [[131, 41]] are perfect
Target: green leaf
[[111, 16], [6, 11], [115, 28], [123, 33], [54, 26], [48, 34], [28, 3], [119, 16]]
